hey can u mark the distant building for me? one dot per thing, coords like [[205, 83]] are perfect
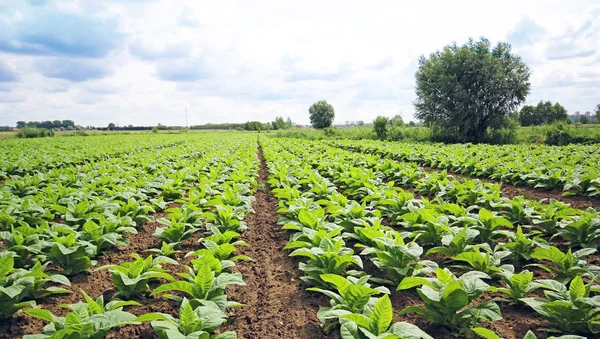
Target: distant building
[[588, 113]]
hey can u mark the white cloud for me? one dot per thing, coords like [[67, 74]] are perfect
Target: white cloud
[[234, 61]]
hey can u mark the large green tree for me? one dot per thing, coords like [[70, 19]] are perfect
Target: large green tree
[[321, 114], [463, 90], [597, 111]]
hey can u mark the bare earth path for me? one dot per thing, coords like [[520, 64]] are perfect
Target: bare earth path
[[276, 303]]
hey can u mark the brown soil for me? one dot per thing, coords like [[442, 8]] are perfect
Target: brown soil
[[511, 191], [276, 304]]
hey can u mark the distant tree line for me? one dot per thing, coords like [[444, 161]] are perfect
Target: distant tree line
[[5, 128], [224, 126], [278, 123], [543, 113], [48, 124]]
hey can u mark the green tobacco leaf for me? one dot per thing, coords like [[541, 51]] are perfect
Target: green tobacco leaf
[[182, 286], [485, 333], [577, 288], [382, 315], [408, 331], [359, 319], [7, 264], [40, 314]]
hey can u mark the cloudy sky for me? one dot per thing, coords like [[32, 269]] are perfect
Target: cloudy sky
[[141, 62]]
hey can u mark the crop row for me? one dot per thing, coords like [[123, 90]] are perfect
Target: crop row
[[461, 236], [56, 227], [574, 169], [29, 157]]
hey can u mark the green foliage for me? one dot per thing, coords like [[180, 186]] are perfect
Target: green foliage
[[380, 126], [280, 124], [167, 250], [374, 322], [543, 113], [203, 285], [70, 254], [449, 301], [518, 285], [565, 266], [584, 232], [559, 133], [90, 320], [486, 262], [321, 114], [396, 121], [353, 294], [395, 257], [520, 245], [573, 310], [330, 257], [131, 278], [458, 86], [12, 290], [34, 133], [199, 322], [253, 126]]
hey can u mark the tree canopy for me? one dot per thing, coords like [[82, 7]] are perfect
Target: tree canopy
[[279, 123], [321, 114], [543, 113], [464, 90], [380, 125], [397, 120], [56, 124]]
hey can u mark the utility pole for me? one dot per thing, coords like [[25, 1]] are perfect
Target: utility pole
[[186, 120]]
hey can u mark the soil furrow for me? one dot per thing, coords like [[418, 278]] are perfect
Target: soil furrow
[[276, 304]]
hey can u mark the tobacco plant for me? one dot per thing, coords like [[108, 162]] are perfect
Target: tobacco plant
[[449, 301], [203, 285], [90, 320], [572, 309], [132, 278], [199, 322]]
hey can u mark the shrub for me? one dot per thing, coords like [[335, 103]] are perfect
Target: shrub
[[34, 133], [380, 126], [506, 134], [330, 132]]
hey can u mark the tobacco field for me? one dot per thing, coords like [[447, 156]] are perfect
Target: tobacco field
[[243, 235]]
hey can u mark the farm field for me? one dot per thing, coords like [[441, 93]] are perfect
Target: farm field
[[225, 235]]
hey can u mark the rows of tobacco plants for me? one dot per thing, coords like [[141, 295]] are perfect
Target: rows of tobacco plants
[[22, 157], [574, 169], [469, 251], [54, 224]]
